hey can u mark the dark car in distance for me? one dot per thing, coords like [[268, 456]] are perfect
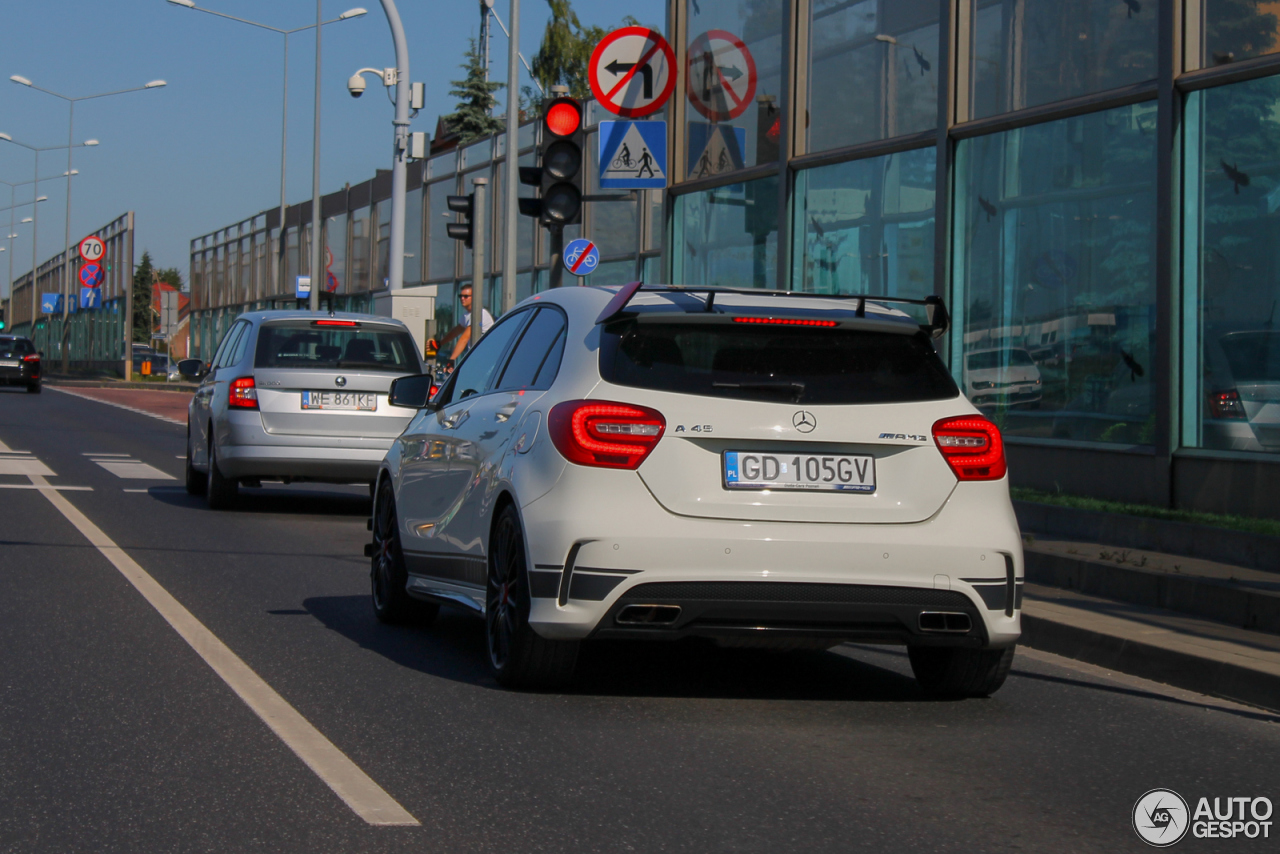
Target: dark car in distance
[[19, 363]]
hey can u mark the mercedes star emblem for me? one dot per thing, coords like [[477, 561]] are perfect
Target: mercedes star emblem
[[341, 381], [804, 421]]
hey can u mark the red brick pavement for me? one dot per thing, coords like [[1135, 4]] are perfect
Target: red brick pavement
[[169, 405]]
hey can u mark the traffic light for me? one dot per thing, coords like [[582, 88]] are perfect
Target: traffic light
[[559, 173], [462, 230], [1, 318]]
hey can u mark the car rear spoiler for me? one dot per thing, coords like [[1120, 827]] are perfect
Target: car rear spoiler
[[936, 310]]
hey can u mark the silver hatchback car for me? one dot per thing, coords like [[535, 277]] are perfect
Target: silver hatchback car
[[296, 396]]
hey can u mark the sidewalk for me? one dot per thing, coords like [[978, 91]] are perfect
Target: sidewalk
[[167, 405]]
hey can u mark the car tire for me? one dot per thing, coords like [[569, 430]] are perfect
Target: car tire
[[953, 672], [388, 576], [518, 656], [196, 480], [33, 388], [220, 492]]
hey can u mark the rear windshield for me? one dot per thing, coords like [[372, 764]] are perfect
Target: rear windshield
[[1253, 355], [298, 344], [997, 358], [17, 346], [819, 366]]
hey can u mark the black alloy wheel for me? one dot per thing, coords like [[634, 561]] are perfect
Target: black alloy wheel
[[387, 574], [195, 479], [220, 492], [518, 656]]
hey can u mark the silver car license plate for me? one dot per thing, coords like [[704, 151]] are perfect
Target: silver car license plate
[[348, 400], [813, 472], [9, 364]]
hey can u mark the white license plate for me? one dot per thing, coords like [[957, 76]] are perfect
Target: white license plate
[[814, 472], [9, 364], [339, 400]]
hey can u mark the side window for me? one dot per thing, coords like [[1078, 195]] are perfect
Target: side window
[[243, 344], [223, 357], [551, 364], [525, 367], [473, 375]]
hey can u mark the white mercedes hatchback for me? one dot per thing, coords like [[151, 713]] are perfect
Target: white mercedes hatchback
[[758, 468]]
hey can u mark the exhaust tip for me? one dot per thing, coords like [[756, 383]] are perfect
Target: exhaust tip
[[952, 622], [648, 615]]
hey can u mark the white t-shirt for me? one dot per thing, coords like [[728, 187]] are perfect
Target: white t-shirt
[[486, 320]]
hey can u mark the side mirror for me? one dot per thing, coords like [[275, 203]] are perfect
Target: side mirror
[[413, 392], [193, 368]]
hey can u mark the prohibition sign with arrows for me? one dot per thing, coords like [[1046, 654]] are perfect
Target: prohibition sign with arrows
[[721, 76], [616, 62]]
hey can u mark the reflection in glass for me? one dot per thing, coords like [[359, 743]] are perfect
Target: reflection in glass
[[1238, 29], [732, 124], [866, 226], [335, 236], [440, 247], [360, 251], [728, 236], [1029, 52], [384, 245], [1231, 346], [1054, 251], [413, 237], [613, 224], [874, 70]]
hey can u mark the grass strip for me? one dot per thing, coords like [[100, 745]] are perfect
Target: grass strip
[[1247, 524]]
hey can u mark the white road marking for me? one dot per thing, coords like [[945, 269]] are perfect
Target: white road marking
[[365, 797], [134, 470], [94, 454], [50, 486], [27, 465], [164, 418], [135, 490]]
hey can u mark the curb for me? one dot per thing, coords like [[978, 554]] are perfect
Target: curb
[[132, 386], [1182, 670], [1255, 551], [1210, 598]]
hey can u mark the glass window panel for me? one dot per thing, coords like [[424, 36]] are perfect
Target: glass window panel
[[477, 153], [1231, 355], [468, 187], [613, 224], [441, 247], [247, 285], [1238, 29], [866, 226], [262, 269], [729, 236], [291, 268], [613, 273], [730, 38], [873, 70], [384, 245], [335, 235], [358, 263], [1054, 259], [232, 269], [654, 238], [413, 237], [1029, 52]]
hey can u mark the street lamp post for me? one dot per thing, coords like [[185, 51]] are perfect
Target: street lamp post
[[356, 12], [12, 225], [66, 265], [36, 219]]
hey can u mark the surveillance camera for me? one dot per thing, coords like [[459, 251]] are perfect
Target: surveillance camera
[[355, 85]]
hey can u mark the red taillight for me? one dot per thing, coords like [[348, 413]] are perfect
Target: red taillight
[[34, 357], [1227, 404], [563, 119], [242, 394], [785, 321], [334, 323], [600, 433], [972, 447]]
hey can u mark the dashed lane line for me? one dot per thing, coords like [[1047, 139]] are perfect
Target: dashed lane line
[[164, 418], [356, 789]]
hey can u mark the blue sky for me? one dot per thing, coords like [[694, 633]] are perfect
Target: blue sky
[[204, 151]]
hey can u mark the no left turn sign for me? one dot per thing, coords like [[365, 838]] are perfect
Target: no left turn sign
[[632, 71], [721, 76], [92, 248]]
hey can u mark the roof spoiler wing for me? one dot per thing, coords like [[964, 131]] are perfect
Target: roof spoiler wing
[[937, 323]]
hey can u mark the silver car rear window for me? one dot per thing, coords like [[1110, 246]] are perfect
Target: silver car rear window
[[819, 366], [302, 344]]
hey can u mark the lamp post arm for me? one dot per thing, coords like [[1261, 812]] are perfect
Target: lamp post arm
[[241, 20]]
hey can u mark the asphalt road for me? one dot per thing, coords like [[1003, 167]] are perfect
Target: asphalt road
[[115, 735]]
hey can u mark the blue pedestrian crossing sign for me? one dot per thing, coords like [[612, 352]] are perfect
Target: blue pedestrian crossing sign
[[581, 257], [90, 298], [51, 303], [633, 155]]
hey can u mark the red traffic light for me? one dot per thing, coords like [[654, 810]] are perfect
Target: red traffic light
[[563, 118]]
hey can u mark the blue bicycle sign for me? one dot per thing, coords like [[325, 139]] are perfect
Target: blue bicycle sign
[[581, 257]]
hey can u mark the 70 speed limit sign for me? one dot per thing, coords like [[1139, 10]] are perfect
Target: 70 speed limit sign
[[92, 248]]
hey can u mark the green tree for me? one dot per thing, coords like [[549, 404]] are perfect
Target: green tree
[[143, 277], [565, 51], [474, 117]]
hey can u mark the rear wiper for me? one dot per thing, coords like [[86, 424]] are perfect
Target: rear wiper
[[796, 388]]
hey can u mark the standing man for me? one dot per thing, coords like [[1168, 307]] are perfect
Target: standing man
[[463, 330]]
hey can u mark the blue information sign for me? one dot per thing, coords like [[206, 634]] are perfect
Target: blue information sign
[[302, 287], [581, 257], [633, 155], [90, 298], [51, 303]]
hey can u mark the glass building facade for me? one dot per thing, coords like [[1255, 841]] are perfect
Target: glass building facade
[[1092, 186]]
